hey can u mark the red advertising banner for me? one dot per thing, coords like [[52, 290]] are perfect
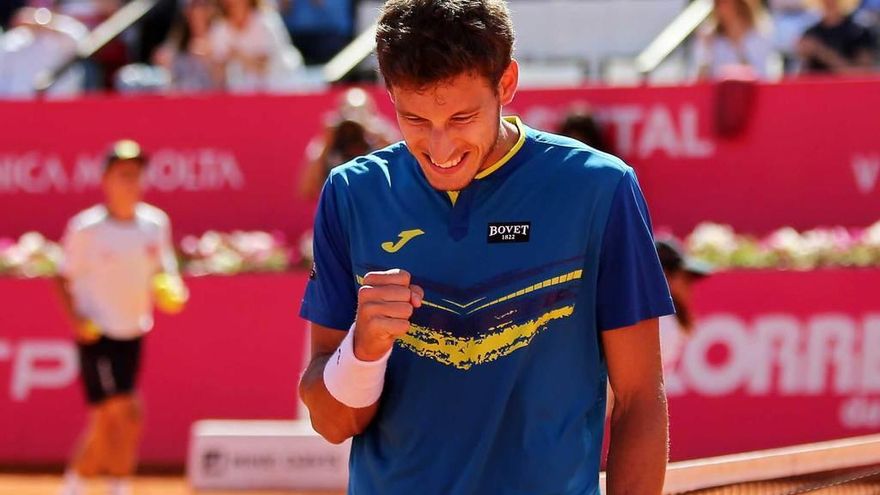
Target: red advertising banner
[[216, 162], [235, 352], [801, 154], [777, 358], [806, 155]]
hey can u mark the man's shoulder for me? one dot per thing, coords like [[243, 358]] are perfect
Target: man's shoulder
[[87, 219], [577, 161], [151, 214], [372, 170]]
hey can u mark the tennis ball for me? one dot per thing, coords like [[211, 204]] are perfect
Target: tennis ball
[[169, 293], [88, 332]]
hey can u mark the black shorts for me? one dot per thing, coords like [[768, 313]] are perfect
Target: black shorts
[[109, 367]]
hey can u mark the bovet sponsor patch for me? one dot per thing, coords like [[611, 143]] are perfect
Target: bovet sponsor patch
[[508, 232]]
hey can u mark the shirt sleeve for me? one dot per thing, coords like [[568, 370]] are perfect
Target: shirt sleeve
[[73, 245], [331, 294], [631, 283], [167, 256]]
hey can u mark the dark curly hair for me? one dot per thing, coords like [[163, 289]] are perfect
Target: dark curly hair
[[422, 42]]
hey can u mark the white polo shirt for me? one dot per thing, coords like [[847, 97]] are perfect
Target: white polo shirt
[[110, 265]]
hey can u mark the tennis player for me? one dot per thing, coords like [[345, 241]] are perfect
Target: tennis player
[[476, 284], [118, 262]]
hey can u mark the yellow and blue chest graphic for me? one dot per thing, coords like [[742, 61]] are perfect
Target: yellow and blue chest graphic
[[469, 326]]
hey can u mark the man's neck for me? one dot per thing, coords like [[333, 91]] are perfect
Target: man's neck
[[508, 135], [121, 213]]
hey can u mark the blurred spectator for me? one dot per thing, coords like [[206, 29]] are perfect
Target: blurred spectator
[[141, 78], [837, 44], [154, 29], [681, 273], [353, 130], [736, 41], [343, 141], [319, 28], [7, 8], [580, 124], [790, 19], [187, 53], [39, 42], [251, 48], [100, 68], [869, 14], [91, 12], [356, 104]]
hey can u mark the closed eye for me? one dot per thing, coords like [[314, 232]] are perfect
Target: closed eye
[[464, 119]]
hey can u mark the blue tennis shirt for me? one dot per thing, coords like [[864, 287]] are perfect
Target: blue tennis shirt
[[499, 386]]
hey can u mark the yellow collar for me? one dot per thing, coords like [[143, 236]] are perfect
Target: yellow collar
[[453, 195], [506, 158]]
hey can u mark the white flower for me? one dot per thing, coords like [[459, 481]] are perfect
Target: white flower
[[871, 235], [31, 242], [712, 237], [210, 243]]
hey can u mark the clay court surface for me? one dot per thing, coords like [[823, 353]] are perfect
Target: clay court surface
[[43, 484]]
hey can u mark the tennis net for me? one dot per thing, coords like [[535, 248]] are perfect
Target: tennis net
[[842, 467]]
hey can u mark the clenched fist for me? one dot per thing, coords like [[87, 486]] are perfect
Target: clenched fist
[[386, 301]]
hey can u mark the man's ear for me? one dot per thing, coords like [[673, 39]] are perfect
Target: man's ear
[[509, 82]]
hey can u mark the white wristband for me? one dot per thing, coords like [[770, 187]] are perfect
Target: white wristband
[[351, 381]]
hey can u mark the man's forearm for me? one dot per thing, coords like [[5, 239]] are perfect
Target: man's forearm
[[639, 447], [335, 421], [67, 300]]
